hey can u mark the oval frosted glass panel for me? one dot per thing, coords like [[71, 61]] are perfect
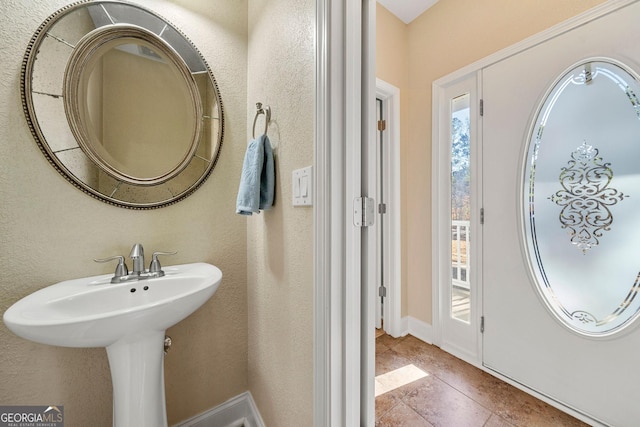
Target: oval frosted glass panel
[[581, 198]]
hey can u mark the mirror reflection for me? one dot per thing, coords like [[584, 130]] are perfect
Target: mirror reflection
[[122, 104], [131, 108]]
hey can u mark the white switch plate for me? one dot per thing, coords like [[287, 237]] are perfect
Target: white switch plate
[[302, 186]]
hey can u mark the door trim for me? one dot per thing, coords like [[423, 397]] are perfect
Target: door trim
[[343, 349], [330, 395], [390, 95]]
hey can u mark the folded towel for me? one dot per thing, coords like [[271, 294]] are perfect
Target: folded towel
[[267, 177], [257, 183]]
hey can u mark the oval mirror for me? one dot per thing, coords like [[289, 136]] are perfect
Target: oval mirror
[[122, 104], [580, 192]]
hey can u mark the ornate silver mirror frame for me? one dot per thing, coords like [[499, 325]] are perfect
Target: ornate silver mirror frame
[[149, 157]]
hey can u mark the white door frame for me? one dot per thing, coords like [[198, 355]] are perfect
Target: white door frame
[[343, 308], [390, 95], [461, 340]]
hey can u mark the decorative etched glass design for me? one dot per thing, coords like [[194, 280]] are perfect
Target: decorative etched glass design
[[586, 196], [591, 291]]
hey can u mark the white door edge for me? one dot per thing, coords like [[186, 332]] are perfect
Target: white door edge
[[390, 95], [343, 372]]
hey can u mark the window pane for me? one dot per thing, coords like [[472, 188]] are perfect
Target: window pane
[[460, 207]]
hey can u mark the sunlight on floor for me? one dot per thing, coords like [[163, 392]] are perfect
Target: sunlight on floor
[[401, 376], [460, 304]]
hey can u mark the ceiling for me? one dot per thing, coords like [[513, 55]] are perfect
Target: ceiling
[[407, 10]]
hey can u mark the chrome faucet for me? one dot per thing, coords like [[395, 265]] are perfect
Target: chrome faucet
[[137, 256], [139, 273]]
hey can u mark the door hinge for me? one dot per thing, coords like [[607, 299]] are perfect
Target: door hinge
[[382, 292], [382, 125], [364, 209], [481, 216], [481, 107], [382, 208], [482, 324]]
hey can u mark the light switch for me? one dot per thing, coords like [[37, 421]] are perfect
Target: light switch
[[302, 185], [296, 187]]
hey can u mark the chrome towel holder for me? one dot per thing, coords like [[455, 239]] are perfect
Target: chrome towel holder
[[266, 110]]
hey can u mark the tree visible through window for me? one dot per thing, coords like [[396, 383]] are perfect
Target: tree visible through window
[[460, 207], [460, 172]]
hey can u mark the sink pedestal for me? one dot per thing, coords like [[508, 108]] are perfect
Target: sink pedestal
[[127, 318], [137, 373]]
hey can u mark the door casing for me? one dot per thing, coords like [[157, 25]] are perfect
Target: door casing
[[390, 96]]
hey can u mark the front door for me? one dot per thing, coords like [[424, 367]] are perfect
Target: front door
[[522, 339]]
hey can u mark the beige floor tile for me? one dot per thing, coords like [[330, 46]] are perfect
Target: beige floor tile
[[442, 405], [402, 415], [454, 393]]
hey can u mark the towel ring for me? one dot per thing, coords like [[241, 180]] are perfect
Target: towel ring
[[267, 112]]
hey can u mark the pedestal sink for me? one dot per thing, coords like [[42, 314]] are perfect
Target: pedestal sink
[[129, 319]]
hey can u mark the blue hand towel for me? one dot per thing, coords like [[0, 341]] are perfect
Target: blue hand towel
[[267, 177], [257, 183]]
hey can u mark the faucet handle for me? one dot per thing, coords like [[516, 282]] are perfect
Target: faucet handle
[[155, 266], [121, 268]]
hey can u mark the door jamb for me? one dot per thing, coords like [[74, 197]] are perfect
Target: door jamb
[[343, 322], [390, 95]]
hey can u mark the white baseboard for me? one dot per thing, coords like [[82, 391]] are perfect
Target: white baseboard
[[419, 329], [240, 411]]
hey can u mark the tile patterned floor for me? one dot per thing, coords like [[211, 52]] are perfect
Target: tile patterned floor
[[453, 393]]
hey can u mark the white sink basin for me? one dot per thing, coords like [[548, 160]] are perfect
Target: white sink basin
[[92, 312], [129, 319]]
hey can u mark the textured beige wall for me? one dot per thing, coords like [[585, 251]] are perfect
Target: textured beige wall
[[447, 37], [51, 231], [280, 241]]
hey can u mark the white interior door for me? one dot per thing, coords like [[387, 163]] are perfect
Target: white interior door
[[522, 339]]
